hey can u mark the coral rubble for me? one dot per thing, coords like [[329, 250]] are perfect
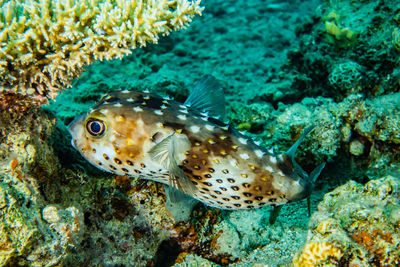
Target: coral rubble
[[356, 225], [45, 44]]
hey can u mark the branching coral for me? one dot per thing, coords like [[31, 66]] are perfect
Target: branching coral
[[45, 43]]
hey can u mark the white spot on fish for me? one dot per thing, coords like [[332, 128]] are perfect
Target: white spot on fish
[[244, 156], [234, 162], [257, 143], [117, 105], [204, 118], [140, 122], [130, 99], [259, 153], [147, 97], [182, 117], [125, 91], [138, 109], [146, 91], [195, 128], [273, 160], [183, 106], [163, 106], [184, 111], [159, 125], [269, 168], [158, 112], [210, 127], [242, 140]]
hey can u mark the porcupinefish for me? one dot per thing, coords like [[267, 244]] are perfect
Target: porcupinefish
[[189, 148]]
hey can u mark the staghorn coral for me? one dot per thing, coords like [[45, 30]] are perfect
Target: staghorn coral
[[44, 44], [357, 225]]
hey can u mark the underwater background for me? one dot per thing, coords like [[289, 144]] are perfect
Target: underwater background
[[283, 66]]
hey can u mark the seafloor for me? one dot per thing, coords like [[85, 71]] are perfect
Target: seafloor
[[284, 65]]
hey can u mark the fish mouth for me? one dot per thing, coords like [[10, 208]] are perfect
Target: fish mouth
[[73, 129]]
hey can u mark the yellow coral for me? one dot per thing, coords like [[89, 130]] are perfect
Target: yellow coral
[[45, 43], [318, 254]]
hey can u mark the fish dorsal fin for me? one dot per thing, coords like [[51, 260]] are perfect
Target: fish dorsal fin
[[208, 96], [165, 152]]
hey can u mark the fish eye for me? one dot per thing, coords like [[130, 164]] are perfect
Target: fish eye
[[95, 127]]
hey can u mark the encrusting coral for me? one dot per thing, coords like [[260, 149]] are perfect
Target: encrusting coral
[[356, 225], [44, 44]]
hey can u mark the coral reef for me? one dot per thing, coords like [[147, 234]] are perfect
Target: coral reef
[[356, 225], [45, 44]]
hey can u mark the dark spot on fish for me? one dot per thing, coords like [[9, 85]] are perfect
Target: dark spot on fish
[[99, 163], [207, 175], [156, 137], [196, 167], [174, 125], [218, 192], [246, 185], [186, 170], [130, 163], [226, 199], [198, 177], [125, 170], [247, 194], [248, 201], [118, 161], [236, 197], [142, 165], [195, 183], [219, 202], [235, 188], [207, 184], [259, 198], [231, 180], [206, 197], [137, 171], [237, 205], [106, 157], [262, 203], [205, 189], [223, 188], [213, 196], [228, 207], [225, 171], [219, 181], [94, 150], [112, 167], [185, 161], [211, 170], [250, 207], [272, 200]]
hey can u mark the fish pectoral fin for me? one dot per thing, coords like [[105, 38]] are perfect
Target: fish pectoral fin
[[208, 96], [165, 153]]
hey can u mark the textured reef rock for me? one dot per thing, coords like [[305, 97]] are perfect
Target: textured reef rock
[[31, 233], [356, 225], [45, 44]]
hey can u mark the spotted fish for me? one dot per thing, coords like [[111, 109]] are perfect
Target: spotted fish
[[189, 148]]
